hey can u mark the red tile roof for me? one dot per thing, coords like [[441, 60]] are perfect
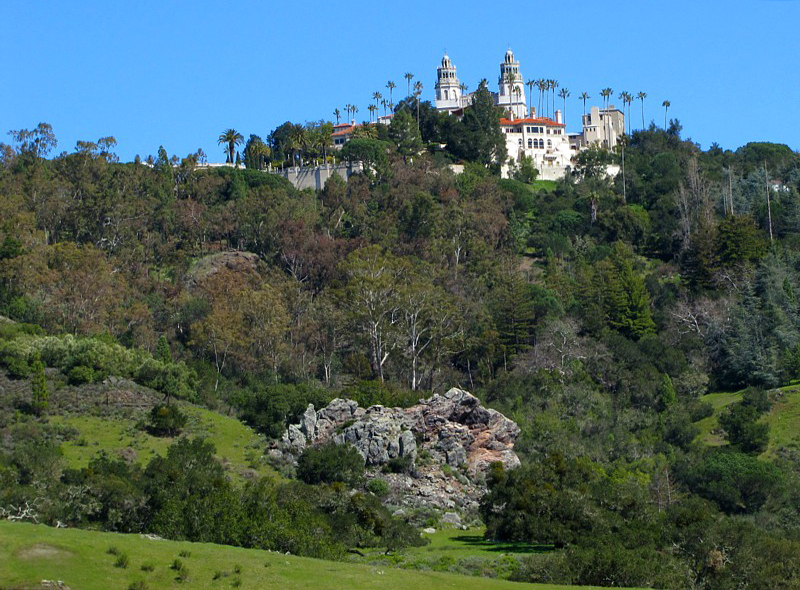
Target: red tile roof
[[533, 121]]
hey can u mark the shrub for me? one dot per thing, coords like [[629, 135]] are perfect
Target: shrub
[[185, 553], [122, 561], [17, 368], [147, 567], [378, 486], [137, 585], [166, 420], [112, 550], [331, 463], [401, 464], [177, 564], [80, 375]]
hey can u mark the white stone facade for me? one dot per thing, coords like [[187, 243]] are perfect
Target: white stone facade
[[542, 139], [448, 88], [603, 127]]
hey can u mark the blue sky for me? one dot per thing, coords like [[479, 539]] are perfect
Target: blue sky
[[179, 73]]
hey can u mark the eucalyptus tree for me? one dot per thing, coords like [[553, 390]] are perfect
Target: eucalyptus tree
[[666, 104], [641, 96], [231, 138]]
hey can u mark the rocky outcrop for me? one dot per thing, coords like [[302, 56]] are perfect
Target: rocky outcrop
[[452, 430]]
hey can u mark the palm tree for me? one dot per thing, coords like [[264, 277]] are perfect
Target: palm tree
[[553, 86], [354, 110], [391, 86], [666, 104], [348, 108], [509, 80], [641, 96], [298, 138], [564, 93], [384, 103], [626, 99], [371, 108], [408, 76], [338, 114], [606, 93], [584, 97], [376, 96], [463, 92], [530, 84], [232, 138], [418, 92]]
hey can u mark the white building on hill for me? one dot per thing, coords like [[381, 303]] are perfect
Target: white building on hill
[[543, 139]]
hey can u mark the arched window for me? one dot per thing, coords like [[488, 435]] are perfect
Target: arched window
[[549, 143], [530, 143], [446, 96], [520, 142]]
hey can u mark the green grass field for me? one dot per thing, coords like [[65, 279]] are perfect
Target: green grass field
[[470, 543], [458, 551], [783, 418], [238, 446], [32, 553]]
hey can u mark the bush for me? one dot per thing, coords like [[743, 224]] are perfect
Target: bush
[[331, 463], [401, 464], [137, 585], [378, 486], [166, 420], [122, 561], [17, 368], [80, 375]]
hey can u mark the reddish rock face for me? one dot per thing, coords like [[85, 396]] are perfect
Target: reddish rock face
[[452, 429]]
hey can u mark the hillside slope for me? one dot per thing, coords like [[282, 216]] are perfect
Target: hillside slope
[[783, 418], [31, 553]]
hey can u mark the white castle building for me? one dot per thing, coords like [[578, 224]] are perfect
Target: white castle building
[[545, 140]]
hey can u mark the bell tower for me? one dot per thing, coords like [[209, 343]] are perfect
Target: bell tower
[[512, 88], [448, 88]]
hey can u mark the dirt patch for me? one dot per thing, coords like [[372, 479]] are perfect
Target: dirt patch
[[40, 551]]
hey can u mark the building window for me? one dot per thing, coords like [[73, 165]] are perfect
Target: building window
[[520, 143], [549, 143], [446, 97], [530, 143]]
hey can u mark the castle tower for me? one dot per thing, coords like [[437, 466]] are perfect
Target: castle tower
[[448, 88], [512, 87]]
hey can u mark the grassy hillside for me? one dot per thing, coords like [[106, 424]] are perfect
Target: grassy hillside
[[460, 551], [238, 446], [783, 418], [31, 553]]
